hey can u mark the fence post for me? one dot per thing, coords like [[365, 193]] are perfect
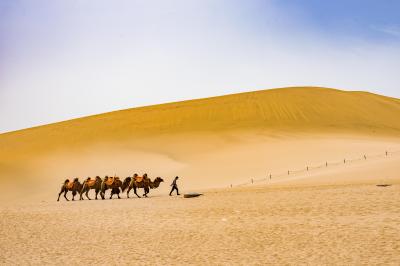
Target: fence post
[[288, 172], [307, 168], [270, 176], [326, 164], [365, 157], [386, 153], [252, 180], [231, 185], [344, 161]]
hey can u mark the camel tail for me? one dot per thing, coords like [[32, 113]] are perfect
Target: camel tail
[[125, 184]]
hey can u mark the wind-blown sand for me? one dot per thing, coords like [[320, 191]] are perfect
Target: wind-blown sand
[[329, 215]]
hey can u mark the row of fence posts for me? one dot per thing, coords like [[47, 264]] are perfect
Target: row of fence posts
[[308, 168]]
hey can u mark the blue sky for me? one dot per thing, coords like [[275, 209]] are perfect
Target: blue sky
[[65, 59], [361, 18]]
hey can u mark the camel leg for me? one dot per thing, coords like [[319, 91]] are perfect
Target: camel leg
[[73, 195], [113, 192], [127, 193], [65, 194], [97, 192], [87, 194], [103, 193], [116, 191], [145, 192], [134, 190], [59, 194], [81, 193]]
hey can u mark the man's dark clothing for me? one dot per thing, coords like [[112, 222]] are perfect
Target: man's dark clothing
[[174, 187]]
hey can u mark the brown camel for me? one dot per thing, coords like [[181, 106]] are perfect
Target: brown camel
[[136, 182], [113, 183], [89, 184], [73, 186]]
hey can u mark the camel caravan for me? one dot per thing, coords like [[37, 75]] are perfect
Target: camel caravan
[[114, 183]]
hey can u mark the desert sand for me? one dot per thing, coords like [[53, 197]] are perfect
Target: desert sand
[[327, 215]]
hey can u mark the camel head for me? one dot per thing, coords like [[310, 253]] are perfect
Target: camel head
[[98, 178], [158, 179], [76, 179], [156, 182]]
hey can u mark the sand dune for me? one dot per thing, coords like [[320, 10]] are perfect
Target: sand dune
[[290, 110], [333, 215], [227, 138], [170, 132]]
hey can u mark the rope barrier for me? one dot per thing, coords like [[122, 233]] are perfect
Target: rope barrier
[[327, 164]]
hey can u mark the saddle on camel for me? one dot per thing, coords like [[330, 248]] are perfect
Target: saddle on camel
[[90, 182], [138, 178], [70, 184], [110, 180]]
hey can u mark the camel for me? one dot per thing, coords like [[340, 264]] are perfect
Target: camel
[[113, 183], [89, 184], [73, 186], [136, 182]]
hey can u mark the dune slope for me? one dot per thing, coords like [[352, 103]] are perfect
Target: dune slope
[[283, 110]]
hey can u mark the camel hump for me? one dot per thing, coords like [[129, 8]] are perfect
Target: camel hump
[[66, 181]]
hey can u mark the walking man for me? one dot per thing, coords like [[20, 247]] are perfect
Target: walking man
[[174, 186]]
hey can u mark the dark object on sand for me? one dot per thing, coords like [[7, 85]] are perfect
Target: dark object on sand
[[191, 195], [383, 185]]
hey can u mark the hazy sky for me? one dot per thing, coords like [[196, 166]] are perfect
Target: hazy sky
[[61, 59]]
